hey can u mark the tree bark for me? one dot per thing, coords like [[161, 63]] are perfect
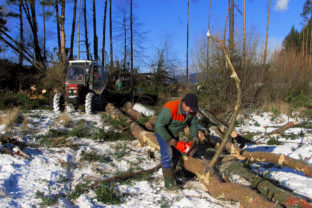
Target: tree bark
[[124, 23], [86, 29], [104, 34], [58, 32], [95, 39], [237, 105], [63, 52], [131, 55], [79, 13], [266, 188], [35, 30], [280, 159], [244, 37], [31, 17], [27, 56], [111, 35], [72, 36], [208, 37], [21, 45], [278, 131], [231, 28], [226, 20], [267, 33], [133, 114]]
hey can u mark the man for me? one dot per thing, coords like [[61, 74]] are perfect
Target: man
[[173, 118], [118, 85]]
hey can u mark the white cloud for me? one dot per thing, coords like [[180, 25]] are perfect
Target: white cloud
[[281, 5]]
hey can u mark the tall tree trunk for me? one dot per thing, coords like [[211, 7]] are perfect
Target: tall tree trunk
[[307, 38], [86, 28], [63, 52], [34, 31], [244, 37], [58, 28], [44, 31], [95, 38], [111, 35], [125, 40], [187, 42], [226, 21], [131, 51], [231, 28], [303, 39], [72, 36], [21, 44], [310, 39], [224, 33], [131, 38], [104, 34], [208, 37], [267, 33], [79, 12]]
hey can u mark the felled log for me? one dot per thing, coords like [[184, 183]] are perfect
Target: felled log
[[216, 187], [265, 187], [150, 125], [278, 131], [280, 159], [136, 130], [133, 114], [282, 128]]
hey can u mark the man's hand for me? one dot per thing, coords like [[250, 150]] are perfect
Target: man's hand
[[171, 142], [196, 140]]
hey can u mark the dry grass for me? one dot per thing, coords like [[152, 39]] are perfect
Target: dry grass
[[63, 119], [25, 124], [280, 106], [12, 117]]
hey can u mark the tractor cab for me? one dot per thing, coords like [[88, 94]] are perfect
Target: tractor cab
[[85, 83]]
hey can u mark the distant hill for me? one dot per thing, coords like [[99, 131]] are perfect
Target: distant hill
[[193, 78]]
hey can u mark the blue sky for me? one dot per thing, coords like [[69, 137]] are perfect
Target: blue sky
[[168, 18]]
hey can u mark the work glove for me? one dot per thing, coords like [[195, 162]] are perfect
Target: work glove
[[172, 141]]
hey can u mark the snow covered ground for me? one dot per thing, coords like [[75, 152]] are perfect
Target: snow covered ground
[[53, 174]]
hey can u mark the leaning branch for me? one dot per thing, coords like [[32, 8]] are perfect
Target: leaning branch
[[278, 131], [97, 181], [237, 105]]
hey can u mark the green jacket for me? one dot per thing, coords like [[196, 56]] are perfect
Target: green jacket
[[118, 85], [171, 121]]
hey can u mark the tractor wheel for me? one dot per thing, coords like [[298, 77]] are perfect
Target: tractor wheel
[[101, 102], [58, 103], [90, 103]]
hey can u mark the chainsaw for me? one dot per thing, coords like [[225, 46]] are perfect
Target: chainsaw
[[186, 147]]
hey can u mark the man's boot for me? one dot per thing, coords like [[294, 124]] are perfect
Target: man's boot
[[169, 179]]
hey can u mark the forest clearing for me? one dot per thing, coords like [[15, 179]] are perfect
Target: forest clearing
[[65, 149], [134, 103]]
